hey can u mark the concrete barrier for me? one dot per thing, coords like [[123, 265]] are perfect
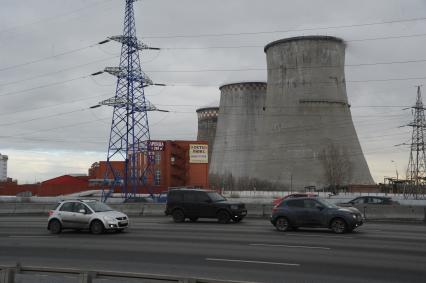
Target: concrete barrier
[[154, 209], [25, 208], [398, 212], [131, 209]]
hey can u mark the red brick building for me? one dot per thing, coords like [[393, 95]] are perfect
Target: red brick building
[[175, 164], [62, 185]]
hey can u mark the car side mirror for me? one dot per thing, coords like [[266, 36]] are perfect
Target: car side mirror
[[82, 211]]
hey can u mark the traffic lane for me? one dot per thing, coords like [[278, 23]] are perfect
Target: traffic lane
[[191, 259], [227, 252], [205, 232], [163, 230]]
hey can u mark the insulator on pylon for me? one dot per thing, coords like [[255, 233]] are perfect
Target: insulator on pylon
[[131, 41]]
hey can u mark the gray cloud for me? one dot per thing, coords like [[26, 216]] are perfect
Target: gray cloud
[[63, 126]]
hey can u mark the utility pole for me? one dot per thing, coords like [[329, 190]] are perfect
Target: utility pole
[[416, 171], [129, 136]]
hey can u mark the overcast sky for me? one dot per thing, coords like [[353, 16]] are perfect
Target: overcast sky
[[48, 49]]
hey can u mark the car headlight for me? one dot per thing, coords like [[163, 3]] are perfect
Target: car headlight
[[108, 218], [354, 216], [234, 206]]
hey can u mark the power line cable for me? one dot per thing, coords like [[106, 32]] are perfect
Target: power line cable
[[262, 46], [59, 16], [42, 86], [47, 58], [58, 71], [289, 30], [53, 105]]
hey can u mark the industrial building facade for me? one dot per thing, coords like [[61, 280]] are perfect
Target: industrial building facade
[[175, 164]]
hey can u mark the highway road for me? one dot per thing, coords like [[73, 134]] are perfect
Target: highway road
[[248, 251]]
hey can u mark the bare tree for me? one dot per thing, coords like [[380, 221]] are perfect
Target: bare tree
[[337, 167]]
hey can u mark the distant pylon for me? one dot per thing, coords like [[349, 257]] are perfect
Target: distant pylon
[[416, 171], [129, 136]]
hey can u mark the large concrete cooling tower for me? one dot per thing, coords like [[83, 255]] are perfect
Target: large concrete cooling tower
[[241, 107], [309, 138], [207, 123]]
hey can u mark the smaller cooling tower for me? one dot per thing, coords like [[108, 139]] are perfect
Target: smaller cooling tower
[[240, 111], [207, 121]]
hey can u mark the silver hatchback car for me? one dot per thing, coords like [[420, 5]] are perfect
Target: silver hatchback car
[[86, 214]]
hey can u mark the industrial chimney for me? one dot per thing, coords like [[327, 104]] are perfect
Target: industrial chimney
[[207, 122], [308, 137], [240, 111]]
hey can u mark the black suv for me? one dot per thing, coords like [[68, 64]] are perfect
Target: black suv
[[194, 204]]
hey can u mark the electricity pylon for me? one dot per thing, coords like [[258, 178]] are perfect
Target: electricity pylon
[[129, 134], [416, 171]]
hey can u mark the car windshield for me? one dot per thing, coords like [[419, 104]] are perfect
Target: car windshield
[[215, 197], [327, 204], [98, 206]]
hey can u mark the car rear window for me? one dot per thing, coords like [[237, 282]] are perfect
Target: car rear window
[[98, 206], [56, 206], [68, 206], [295, 203], [174, 196]]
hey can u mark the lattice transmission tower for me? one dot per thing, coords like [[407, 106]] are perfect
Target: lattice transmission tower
[[416, 171], [130, 135]]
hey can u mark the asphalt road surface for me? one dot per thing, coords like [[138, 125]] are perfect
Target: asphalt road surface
[[248, 251]]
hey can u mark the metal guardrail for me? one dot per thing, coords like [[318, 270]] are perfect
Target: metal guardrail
[[8, 275]]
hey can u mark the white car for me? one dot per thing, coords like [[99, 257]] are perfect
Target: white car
[[86, 214]]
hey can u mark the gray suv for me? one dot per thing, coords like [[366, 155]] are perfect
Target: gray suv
[[316, 213], [86, 214]]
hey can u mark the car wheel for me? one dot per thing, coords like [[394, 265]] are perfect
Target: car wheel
[[282, 224], [193, 219], [223, 217], [338, 225], [178, 216], [237, 219], [97, 227], [55, 226]]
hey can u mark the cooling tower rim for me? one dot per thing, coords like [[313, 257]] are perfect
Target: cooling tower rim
[[242, 83], [207, 108], [307, 37]]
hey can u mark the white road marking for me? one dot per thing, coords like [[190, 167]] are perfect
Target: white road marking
[[252, 261], [289, 246], [31, 236], [318, 236]]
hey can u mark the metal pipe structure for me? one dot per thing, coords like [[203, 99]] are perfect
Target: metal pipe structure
[[307, 133]]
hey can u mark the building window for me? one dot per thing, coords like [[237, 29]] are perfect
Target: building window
[[157, 157], [157, 177], [172, 160]]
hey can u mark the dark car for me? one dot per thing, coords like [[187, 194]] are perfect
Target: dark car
[[195, 203], [278, 200], [369, 200], [315, 213]]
